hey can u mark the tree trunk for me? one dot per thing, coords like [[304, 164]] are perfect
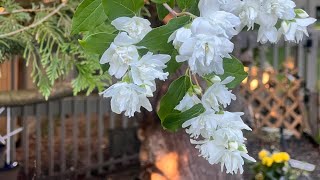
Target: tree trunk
[[171, 156]]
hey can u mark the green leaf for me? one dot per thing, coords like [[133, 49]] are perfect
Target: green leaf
[[186, 4], [104, 27], [174, 95], [174, 121], [194, 9], [88, 15], [162, 11], [157, 39], [97, 43], [120, 8], [233, 67]]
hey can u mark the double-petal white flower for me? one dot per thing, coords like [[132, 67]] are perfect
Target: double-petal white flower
[[187, 102], [205, 53], [149, 68], [127, 97], [295, 30], [119, 55], [230, 155], [139, 74], [218, 94], [136, 28]]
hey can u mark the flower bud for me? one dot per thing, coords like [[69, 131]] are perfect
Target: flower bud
[[197, 89], [215, 79], [233, 146], [301, 13]]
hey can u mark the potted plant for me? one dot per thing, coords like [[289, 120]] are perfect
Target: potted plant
[[276, 165]]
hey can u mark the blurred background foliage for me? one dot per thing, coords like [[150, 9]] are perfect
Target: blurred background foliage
[[39, 32]]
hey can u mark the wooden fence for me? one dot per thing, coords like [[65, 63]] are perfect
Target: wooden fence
[[303, 57], [72, 136]]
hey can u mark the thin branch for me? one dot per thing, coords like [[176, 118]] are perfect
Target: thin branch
[[26, 10], [173, 12], [34, 24], [176, 14]]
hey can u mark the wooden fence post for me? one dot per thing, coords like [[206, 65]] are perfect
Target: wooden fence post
[[311, 82]]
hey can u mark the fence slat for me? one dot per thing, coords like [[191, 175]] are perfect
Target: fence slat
[[88, 135], [75, 132], [276, 57], [100, 132], [63, 131], [51, 138], [38, 140], [301, 61], [25, 140]]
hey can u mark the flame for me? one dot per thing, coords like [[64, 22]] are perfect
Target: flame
[[168, 165]]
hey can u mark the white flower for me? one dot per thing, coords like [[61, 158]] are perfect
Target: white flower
[[267, 33], [180, 36], [230, 127], [220, 23], [249, 13], [187, 102], [136, 27], [205, 124], [119, 56], [283, 9], [127, 97], [149, 68], [205, 53], [295, 30], [208, 7], [218, 94], [227, 154]]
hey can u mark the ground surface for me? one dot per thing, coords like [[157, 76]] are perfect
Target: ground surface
[[302, 150]]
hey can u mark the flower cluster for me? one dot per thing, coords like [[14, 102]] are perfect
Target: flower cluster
[[204, 44], [266, 14], [217, 133], [275, 166], [268, 159], [138, 74]]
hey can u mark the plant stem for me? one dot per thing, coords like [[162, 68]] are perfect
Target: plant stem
[[176, 14]]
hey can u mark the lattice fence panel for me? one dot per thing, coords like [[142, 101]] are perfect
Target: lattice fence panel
[[275, 99]]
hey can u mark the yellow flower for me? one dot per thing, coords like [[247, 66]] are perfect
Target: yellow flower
[[285, 156], [280, 157], [267, 161], [263, 153]]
